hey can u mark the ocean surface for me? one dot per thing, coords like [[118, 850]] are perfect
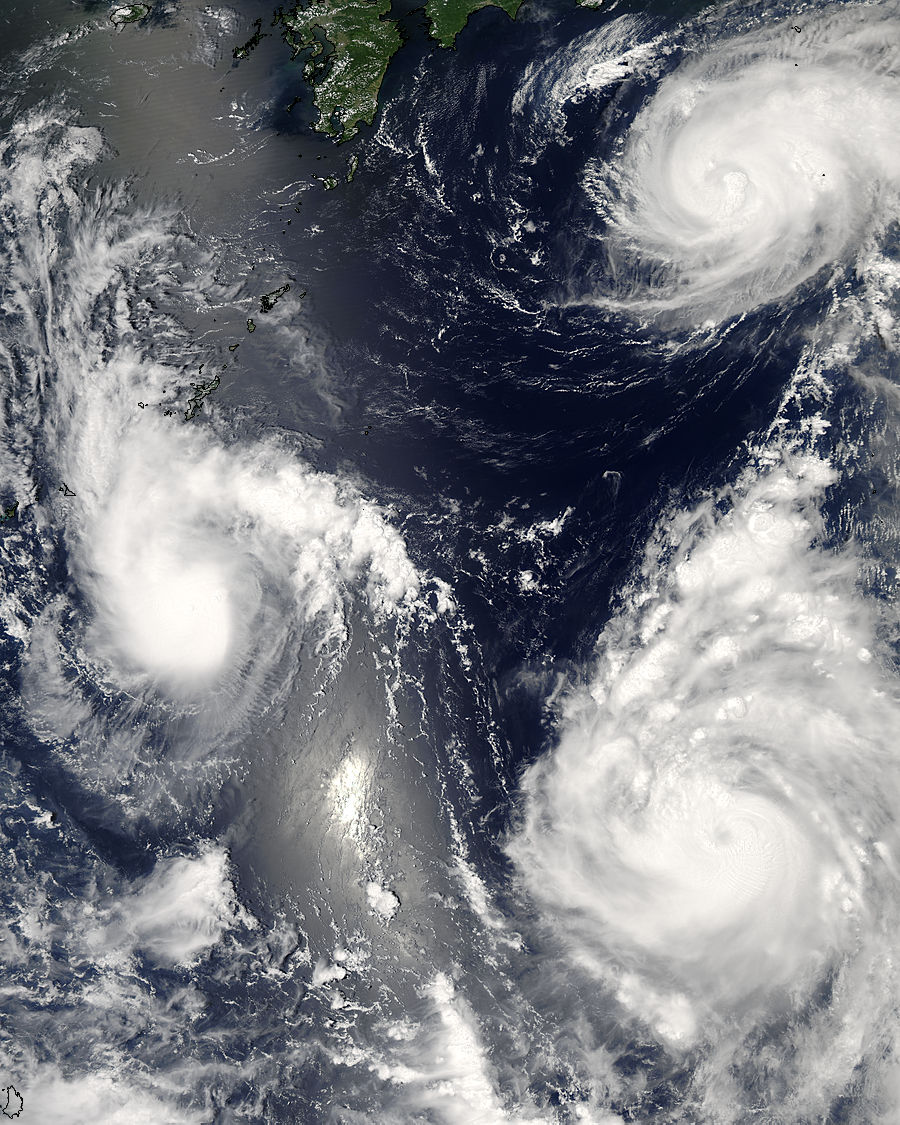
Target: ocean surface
[[461, 688]]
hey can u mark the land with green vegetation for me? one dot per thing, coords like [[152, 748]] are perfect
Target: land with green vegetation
[[349, 46], [448, 17], [129, 13], [201, 392]]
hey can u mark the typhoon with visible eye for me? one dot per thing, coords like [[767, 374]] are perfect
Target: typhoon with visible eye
[[703, 832], [756, 162], [712, 837]]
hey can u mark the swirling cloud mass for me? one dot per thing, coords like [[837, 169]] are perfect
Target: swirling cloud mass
[[712, 837], [719, 804], [187, 553], [759, 160], [698, 879]]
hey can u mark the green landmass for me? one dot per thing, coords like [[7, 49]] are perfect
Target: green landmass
[[449, 17], [201, 391], [251, 327], [129, 13], [349, 46], [9, 512], [252, 43]]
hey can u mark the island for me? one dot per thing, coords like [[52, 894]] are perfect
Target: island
[[12, 1101], [243, 52], [268, 301], [129, 13], [201, 391], [447, 18], [349, 44]]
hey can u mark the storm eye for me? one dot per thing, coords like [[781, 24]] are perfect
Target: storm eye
[[744, 174]]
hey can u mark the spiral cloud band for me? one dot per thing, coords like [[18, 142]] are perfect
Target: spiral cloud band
[[756, 161], [715, 813], [711, 837], [701, 919], [191, 554]]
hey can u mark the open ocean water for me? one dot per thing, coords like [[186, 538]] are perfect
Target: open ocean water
[[471, 695]]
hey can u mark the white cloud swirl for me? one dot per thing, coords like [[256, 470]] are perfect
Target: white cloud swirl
[[713, 828], [757, 160], [194, 558]]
